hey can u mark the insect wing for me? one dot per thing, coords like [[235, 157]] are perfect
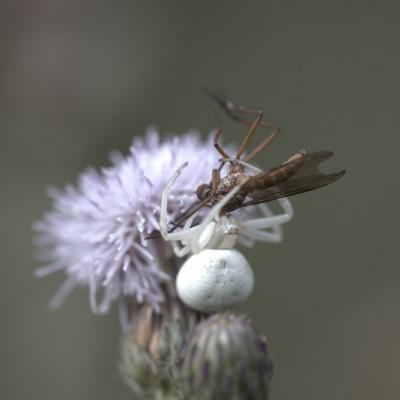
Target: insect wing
[[307, 178]]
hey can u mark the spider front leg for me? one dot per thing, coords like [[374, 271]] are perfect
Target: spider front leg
[[164, 203], [255, 228], [187, 232], [184, 234], [213, 214]]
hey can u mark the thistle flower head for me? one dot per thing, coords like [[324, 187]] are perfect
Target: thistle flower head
[[225, 359], [151, 347], [96, 232], [180, 354]]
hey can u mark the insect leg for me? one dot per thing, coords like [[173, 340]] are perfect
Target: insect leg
[[232, 110], [249, 134], [262, 145], [215, 180], [251, 167], [218, 147]]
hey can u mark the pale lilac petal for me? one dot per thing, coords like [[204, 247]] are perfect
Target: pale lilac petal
[[96, 232]]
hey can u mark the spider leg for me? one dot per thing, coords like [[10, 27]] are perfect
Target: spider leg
[[249, 235], [184, 233], [213, 213], [269, 221], [245, 240], [186, 242], [274, 235], [164, 202], [262, 236]]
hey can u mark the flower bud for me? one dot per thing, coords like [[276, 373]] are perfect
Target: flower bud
[[150, 349], [225, 359]]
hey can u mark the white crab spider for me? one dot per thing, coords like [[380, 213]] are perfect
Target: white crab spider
[[216, 276]]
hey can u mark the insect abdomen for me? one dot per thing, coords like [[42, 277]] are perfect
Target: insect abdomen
[[235, 202], [279, 174]]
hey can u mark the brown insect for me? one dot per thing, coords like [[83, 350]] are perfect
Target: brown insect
[[299, 174]]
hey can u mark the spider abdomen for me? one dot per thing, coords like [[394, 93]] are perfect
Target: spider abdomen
[[214, 280]]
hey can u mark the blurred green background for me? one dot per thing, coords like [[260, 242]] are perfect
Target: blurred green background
[[79, 78]]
